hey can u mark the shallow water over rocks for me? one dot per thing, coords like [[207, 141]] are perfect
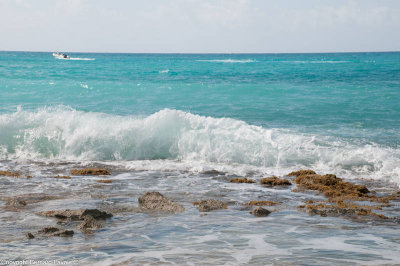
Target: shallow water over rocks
[[225, 236]]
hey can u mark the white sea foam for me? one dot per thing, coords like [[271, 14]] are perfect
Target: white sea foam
[[163, 71], [77, 58], [171, 139], [229, 60]]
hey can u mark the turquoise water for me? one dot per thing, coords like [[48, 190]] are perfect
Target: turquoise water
[[334, 112], [160, 122]]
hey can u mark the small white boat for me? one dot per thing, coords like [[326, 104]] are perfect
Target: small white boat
[[61, 56]]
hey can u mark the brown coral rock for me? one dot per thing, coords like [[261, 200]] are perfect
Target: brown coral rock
[[10, 174], [242, 180], [260, 212], [89, 171], [155, 201], [301, 172], [261, 203], [210, 205], [274, 181]]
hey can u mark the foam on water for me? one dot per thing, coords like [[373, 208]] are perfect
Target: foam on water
[[177, 139], [229, 60]]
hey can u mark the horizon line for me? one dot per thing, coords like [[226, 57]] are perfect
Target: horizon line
[[199, 53]]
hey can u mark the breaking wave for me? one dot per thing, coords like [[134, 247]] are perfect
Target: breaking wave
[[65, 133]]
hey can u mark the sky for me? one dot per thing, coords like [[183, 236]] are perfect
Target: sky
[[200, 26]]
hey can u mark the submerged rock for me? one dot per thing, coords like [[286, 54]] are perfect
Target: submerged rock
[[76, 214], [63, 176], [10, 174], [89, 224], [90, 171], [54, 231], [155, 201], [260, 212], [274, 181], [262, 203], [213, 172], [210, 205], [106, 181], [242, 180], [15, 202]]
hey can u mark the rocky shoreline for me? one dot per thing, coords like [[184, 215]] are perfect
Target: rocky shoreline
[[340, 199]]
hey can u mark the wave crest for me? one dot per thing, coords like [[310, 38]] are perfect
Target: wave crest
[[65, 133]]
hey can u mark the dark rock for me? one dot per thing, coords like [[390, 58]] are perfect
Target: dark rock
[[260, 212], [29, 235], [213, 172], [210, 205], [76, 214], [54, 231], [157, 202]]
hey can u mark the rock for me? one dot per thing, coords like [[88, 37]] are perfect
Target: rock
[[63, 176], [301, 172], [29, 235], [89, 224], [260, 212], [54, 231], [16, 202], [157, 202], [242, 180], [76, 214], [331, 186], [261, 203], [106, 181], [213, 172], [90, 171], [274, 181], [8, 173], [210, 205]]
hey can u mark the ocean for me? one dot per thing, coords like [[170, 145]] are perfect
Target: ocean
[[159, 122]]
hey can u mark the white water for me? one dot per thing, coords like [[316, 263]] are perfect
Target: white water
[[173, 140]]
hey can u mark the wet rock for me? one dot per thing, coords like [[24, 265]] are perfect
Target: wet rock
[[242, 180], [213, 172], [15, 202], [210, 205], [262, 203], [54, 231], [106, 181], [260, 212], [301, 172], [274, 181], [10, 174], [89, 224], [90, 171], [331, 186], [76, 214], [29, 235], [28, 176], [63, 176], [155, 201]]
